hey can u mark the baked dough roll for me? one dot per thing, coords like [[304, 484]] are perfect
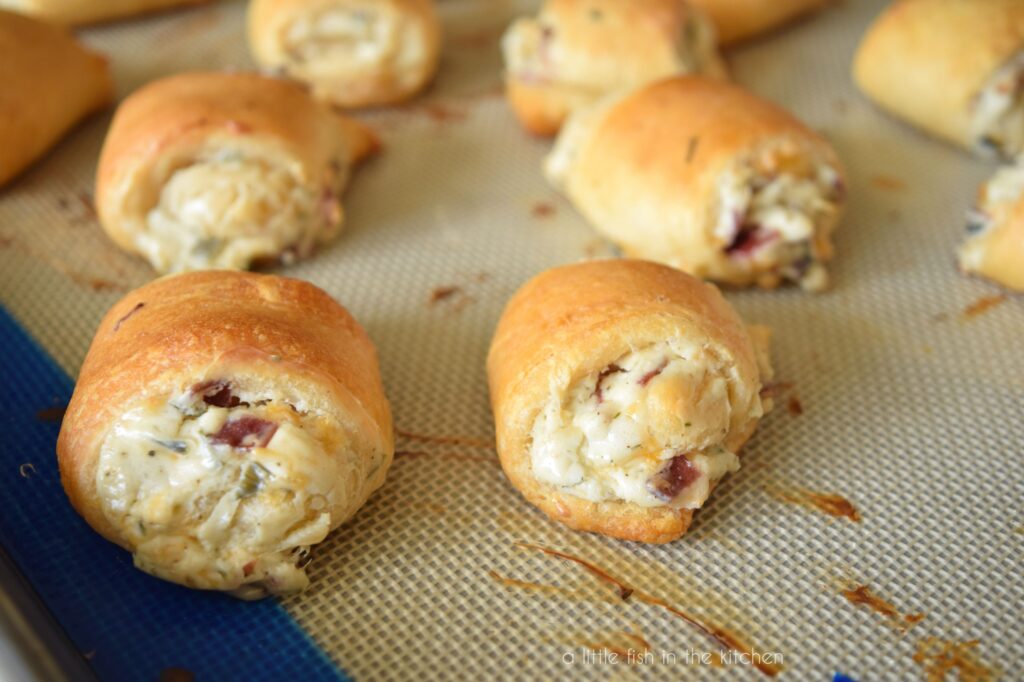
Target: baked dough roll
[[48, 82], [218, 170], [737, 20], [622, 392], [91, 11], [952, 67], [706, 177], [353, 53], [995, 247], [222, 424], [576, 51]]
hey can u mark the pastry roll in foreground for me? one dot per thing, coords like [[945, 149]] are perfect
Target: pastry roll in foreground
[[222, 424], [995, 248], [576, 51], [353, 53], [622, 392], [706, 177], [48, 82], [952, 67], [91, 11], [221, 170], [737, 20]]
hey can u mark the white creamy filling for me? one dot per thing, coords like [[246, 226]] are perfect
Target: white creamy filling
[[608, 444], [998, 122], [778, 216], [213, 516], [354, 41], [226, 211], [1005, 188]]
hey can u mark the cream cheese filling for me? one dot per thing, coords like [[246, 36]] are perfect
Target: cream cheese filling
[[223, 498], [772, 221], [1004, 189], [618, 431], [998, 122], [226, 211]]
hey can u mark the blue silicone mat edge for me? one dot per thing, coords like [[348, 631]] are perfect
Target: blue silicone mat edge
[[128, 625]]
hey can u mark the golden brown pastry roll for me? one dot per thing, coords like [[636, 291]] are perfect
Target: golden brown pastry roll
[[952, 67], [995, 247], [707, 177], [48, 82], [622, 392], [218, 170], [222, 424], [353, 53], [737, 20], [91, 11], [576, 51]]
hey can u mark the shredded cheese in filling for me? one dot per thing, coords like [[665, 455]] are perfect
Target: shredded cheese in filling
[[618, 431], [225, 211], [207, 504], [1004, 189], [769, 219], [349, 41], [998, 123]]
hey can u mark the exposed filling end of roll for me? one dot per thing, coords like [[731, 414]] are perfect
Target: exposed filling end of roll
[[650, 429], [998, 124], [346, 49], [225, 491], [227, 210], [987, 220], [776, 215], [534, 56]]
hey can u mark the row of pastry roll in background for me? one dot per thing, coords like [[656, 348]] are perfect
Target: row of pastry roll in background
[[672, 163]]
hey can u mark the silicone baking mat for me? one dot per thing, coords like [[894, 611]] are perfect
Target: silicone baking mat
[[900, 392]]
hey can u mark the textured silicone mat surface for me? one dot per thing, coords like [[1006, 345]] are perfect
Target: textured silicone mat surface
[[904, 405]]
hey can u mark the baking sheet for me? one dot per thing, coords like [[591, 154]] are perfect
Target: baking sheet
[[891, 397]]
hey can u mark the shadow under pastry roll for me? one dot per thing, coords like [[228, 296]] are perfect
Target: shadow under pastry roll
[[706, 177], [739, 20], [92, 11], [352, 53], [224, 170], [222, 424], [622, 392], [995, 247], [48, 82], [576, 51], [952, 67]]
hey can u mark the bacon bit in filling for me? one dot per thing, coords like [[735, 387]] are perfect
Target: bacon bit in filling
[[646, 379], [748, 240], [245, 432], [249, 568], [673, 479], [217, 393], [606, 372]]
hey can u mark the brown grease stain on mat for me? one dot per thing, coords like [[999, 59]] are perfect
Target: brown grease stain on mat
[[795, 407], [543, 209], [827, 503], [940, 657], [983, 305], [723, 636], [888, 183], [862, 595]]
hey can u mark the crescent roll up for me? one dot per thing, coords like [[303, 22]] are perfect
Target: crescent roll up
[[952, 67], [353, 53], [222, 424], [91, 11], [218, 170], [738, 20], [706, 177], [622, 392], [576, 51], [995, 248], [48, 82]]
